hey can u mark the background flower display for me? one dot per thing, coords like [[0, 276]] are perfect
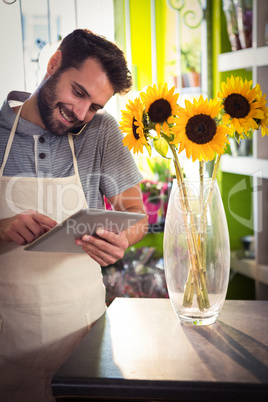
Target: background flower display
[[202, 130], [138, 274], [151, 193], [156, 192]]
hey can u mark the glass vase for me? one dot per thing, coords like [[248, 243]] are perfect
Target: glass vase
[[196, 251]]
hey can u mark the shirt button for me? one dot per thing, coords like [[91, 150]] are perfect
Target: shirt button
[[42, 155], [42, 140]]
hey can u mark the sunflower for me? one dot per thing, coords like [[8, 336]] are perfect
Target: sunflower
[[132, 125], [263, 123], [242, 106], [197, 131], [160, 104]]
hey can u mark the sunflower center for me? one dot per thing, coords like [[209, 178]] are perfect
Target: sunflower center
[[159, 111], [201, 128], [134, 129], [237, 106]]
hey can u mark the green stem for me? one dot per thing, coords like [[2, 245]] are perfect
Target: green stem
[[201, 209], [197, 272], [214, 176], [201, 206], [201, 234]]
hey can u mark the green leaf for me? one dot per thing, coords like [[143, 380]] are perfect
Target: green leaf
[[161, 146], [149, 149]]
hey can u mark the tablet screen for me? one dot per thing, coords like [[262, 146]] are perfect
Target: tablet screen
[[62, 237]]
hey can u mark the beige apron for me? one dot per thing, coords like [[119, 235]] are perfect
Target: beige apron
[[47, 300]]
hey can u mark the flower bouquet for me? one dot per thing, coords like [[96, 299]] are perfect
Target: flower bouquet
[[196, 248]]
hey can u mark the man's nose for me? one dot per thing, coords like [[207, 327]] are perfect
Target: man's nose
[[81, 110]]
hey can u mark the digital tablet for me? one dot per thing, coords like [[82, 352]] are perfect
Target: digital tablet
[[62, 237]]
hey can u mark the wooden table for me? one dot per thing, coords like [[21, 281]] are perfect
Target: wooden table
[[139, 351]]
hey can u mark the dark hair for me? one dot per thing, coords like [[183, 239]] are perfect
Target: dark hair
[[82, 44]]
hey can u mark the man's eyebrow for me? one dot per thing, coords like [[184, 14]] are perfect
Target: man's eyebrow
[[83, 89]]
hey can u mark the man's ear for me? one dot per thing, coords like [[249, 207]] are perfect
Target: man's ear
[[54, 62]]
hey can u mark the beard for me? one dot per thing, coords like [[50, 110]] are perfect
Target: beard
[[47, 104]]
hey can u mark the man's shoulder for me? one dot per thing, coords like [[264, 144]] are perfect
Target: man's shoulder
[[14, 98], [17, 97], [7, 115], [104, 116], [103, 123]]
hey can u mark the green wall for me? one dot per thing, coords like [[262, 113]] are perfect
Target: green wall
[[237, 200]]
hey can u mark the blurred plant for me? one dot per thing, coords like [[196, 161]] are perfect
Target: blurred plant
[[190, 56], [152, 190]]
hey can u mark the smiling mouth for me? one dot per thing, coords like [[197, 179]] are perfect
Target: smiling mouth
[[67, 116]]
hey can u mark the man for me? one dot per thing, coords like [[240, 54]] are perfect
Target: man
[[59, 152]]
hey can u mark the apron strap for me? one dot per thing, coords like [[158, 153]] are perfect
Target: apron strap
[[76, 171], [10, 140]]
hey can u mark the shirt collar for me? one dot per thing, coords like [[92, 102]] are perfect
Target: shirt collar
[[16, 98]]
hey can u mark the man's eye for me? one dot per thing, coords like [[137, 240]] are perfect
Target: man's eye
[[93, 108], [77, 93]]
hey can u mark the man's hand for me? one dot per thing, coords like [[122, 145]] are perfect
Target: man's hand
[[25, 227], [106, 247]]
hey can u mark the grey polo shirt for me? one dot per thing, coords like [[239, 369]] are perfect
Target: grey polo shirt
[[106, 167]]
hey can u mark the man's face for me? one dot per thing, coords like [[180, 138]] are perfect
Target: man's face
[[70, 99]]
